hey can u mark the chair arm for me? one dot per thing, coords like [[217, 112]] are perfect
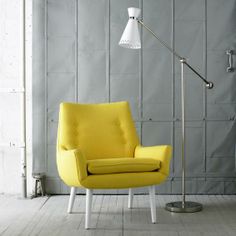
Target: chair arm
[[161, 153], [72, 166]]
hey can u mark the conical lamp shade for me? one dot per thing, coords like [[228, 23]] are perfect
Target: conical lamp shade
[[130, 37]]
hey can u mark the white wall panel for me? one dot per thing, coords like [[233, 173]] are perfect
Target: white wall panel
[[11, 26], [11, 171]]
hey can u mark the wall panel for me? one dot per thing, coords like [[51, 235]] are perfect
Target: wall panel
[[194, 150], [92, 76], [84, 63]]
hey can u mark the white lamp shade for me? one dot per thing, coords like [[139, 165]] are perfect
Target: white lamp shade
[[130, 37]]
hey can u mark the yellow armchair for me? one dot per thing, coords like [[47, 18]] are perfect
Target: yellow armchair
[[98, 148]]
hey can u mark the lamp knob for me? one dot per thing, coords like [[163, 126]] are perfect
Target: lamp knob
[[209, 85]]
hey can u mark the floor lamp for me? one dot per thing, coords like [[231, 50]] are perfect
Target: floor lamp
[[131, 39]]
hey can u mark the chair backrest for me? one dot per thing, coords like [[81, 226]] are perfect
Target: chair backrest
[[100, 130]]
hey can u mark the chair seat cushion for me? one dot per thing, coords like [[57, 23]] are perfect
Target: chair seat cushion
[[122, 165]]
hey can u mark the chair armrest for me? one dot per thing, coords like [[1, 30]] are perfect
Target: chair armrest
[[72, 166], [161, 153]]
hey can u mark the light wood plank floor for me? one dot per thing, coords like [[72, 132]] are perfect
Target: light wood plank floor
[[47, 216]]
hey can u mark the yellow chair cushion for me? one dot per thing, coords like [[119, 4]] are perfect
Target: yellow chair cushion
[[122, 165]]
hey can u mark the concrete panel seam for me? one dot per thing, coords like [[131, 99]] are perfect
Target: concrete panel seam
[[76, 51], [46, 83]]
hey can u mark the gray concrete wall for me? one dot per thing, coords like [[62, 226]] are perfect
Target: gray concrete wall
[[77, 58]]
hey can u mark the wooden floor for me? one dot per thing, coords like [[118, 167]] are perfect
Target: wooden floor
[[47, 216]]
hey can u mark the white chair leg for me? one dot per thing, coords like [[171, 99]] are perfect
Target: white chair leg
[[89, 197], [152, 197], [72, 199], [130, 198]]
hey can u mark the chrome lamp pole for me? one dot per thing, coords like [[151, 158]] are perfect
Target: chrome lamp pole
[[131, 39]]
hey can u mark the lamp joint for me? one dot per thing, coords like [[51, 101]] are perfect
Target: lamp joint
[[183, 60]]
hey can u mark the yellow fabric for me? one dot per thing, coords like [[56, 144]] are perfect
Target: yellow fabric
[[161, 153], [100, 130], [72, 166], [88, 132], [126, 180], [122, 165]]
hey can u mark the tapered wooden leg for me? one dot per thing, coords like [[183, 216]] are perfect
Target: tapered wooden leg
[[152, 197], [72, 199], [130, 198], [89, 197]]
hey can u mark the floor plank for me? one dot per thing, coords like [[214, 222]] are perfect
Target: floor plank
[[111, 216]]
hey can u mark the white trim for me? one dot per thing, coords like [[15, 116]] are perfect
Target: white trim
[[23, 105]]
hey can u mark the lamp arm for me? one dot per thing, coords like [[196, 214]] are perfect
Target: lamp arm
[[209, 85], [160, 40]]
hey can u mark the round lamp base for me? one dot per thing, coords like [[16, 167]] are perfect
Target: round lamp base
[[189, 207]]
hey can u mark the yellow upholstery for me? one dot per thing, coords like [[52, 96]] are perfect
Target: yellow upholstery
[[100, 130], [122, 165], [88, 133], [161, 153]]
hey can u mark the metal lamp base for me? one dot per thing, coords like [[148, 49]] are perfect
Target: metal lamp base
[[189, 207]]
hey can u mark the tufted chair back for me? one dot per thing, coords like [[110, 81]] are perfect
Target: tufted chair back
[[99, 130]]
